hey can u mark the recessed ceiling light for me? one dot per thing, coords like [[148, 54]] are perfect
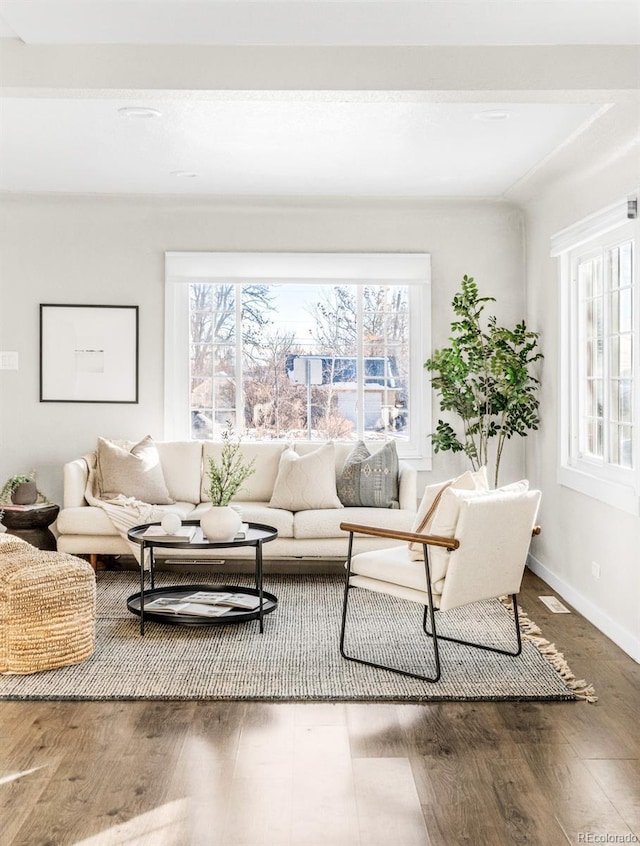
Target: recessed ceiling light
[[184, 174], [139, 112], [493, 114]]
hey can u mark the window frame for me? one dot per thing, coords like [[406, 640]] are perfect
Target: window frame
[[602, 480], [410, 269]]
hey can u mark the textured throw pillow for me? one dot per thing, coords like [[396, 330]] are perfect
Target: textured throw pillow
[[431, 500], [134, 472], [306, 482], [445, 523], [370, 479]]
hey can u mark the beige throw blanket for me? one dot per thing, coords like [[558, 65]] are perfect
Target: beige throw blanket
[[125, 512]]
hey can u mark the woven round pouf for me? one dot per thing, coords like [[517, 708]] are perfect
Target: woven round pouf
[[47, 608]]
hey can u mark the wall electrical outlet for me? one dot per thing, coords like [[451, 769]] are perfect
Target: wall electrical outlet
[[595, 569]]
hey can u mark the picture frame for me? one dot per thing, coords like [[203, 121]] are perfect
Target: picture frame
[[88, 353]]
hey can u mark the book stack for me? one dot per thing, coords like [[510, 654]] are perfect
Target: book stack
[[34, 507], [184, 534]]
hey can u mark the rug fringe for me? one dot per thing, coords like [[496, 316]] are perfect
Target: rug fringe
[[532, 633]]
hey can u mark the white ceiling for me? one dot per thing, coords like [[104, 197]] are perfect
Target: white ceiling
[[278, 147], [329, 22], [294, 143]]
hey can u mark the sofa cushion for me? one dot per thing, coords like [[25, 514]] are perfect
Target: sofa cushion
[[306, 482], [259, 486], [370, 479], [446, 517], [431, 499], [341, 450], [394, 565], [182, 467], [325, 523], [92, 520], [135, 472]]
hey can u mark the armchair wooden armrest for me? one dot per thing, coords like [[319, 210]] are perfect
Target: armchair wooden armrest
[[409, 537]]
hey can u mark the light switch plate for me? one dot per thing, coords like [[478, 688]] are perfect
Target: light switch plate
[[8, 360]]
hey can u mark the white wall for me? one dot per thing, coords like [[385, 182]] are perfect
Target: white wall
[[577, 529], [111, 250]]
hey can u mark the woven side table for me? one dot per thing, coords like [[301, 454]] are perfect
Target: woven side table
[[47, 608]]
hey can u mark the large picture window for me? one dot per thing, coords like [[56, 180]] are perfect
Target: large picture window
[[329, 353], [600, 322]]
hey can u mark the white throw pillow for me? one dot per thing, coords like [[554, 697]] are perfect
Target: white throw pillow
[[306, 482], [431, 499], [445, 523], [134, 472]]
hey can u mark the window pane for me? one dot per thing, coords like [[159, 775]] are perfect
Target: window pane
[[224, 361], [589, 328], [201, 392], [598, 317], [625, 389], [597, 277], [626, 268], [620, 437], [625, 361], [614, 312], [224, 394], [594, 438], [585, 279], [594, 405], [201, 361], [221, 418], [201, 424], [625, 443], [614, 275], [614, 400], [625, 310]]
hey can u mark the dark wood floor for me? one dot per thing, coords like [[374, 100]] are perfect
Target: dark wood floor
[[251, 774]]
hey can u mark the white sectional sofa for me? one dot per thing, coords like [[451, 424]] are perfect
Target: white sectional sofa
[[311, 534]]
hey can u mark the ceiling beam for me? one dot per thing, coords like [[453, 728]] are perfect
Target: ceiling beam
[[25, 68]]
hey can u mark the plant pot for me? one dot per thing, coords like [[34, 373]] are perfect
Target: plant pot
[[220, 523], [25, 494]]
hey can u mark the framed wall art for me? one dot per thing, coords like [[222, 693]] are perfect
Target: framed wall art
[[88, 353]]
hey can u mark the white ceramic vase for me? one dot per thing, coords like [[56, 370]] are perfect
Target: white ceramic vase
[[220, 523]]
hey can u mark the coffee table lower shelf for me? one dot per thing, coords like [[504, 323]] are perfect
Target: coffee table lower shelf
[[233, 615]]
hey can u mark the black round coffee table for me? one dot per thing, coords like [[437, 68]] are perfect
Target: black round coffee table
[[32, 524], [256, 535]]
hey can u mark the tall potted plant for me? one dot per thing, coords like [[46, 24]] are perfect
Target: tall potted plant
[[484, 378], [225, 479]]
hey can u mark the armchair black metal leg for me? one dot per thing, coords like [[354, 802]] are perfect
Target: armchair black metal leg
[[345, 603], [480, 645]]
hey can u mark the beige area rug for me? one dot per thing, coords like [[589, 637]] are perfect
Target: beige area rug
[[297, 656]]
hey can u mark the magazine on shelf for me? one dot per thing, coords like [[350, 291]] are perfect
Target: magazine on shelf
[[171, 605], [243, 601], [184, 534]]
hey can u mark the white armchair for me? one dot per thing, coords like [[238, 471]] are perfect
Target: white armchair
[[482, 557]]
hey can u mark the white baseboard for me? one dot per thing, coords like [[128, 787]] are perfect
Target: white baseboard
[[618, 634]]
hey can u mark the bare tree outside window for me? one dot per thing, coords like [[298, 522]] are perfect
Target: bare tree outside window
[[290, 366]]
